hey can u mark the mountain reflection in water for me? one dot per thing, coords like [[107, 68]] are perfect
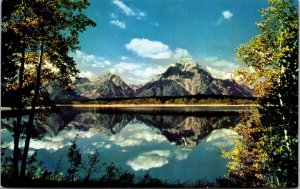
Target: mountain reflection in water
[[170, 145]]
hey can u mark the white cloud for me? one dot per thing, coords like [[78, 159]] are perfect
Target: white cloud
[[226, 15], [98, 144], [220, 68], [141, 14], [115, 21], [61, 140], [151, 159], [181, 155], [125, 58], [118, 23], [47, 145], [87, 74], [136, 73], [223, 64], [149, 49], [83, 58], [181, 54], [211, 59], [222, 138], [136, 134], [101, 64], [127, 10], [218, 73], [155, 49]]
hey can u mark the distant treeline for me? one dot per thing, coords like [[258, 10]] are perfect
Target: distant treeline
[[198, 96], [192, 99]]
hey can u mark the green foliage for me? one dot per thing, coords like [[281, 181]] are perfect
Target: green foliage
[[112, 173], [92, 165], [249, 157], [34, 165], [272, 57], [148, 180], [39, 34], [6, 166], [57, 23], [272, 53]]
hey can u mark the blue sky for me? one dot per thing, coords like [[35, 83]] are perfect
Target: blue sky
[[138, 39]]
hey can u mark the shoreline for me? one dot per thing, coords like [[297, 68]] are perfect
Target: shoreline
[[153, 105], [143, 106]]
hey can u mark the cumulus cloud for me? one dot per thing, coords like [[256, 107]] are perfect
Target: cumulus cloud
[[226, 15], [87, 74], [216, 73], [136, 73], [101, 64], [149, 49], [127, 10], [181, 54], [151, 159], [220, 68], [155, 49], [83, 58]]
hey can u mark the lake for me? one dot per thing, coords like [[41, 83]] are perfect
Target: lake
[[172, 144]]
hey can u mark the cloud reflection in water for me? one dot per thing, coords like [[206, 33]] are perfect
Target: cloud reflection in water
[[151, 159], [142, 143], [137, 134]]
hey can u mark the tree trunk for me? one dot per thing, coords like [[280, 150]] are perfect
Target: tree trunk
[[29, 127], [17, 126]]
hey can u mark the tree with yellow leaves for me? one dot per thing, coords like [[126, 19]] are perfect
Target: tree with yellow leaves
[[45, 32], [272, 141]]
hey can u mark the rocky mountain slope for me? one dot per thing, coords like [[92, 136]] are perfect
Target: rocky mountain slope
[[135, 87], [161, 88], [105, 86], [57, 93], [189, 78]]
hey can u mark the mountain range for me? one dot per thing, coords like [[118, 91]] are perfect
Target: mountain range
[[184, 78]]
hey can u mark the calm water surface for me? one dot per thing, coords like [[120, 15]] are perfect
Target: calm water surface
[[169, 144]]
